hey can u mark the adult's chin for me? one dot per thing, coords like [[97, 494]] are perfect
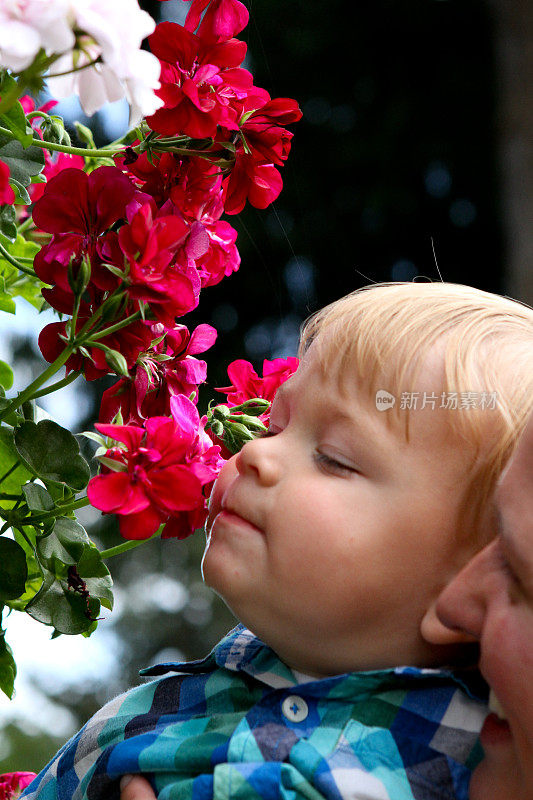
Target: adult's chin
[[497, 778]]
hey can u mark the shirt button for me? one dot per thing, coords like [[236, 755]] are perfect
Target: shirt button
[[294, 708]]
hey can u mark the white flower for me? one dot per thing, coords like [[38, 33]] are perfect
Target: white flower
[[114, 31], [26, 26], [117, 28]]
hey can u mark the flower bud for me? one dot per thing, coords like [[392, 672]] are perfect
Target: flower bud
[[218, 428], [53, 131], [252, 423], [255, 406], [221, 413], [117, 362]]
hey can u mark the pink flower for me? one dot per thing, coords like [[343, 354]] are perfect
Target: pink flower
[[246, 383], [168, 368], [161, 474], [13, 783], [7, 195]]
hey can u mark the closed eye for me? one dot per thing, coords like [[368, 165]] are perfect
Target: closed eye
[[332, 465]]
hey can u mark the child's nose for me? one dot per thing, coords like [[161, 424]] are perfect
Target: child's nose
[[257, 457]]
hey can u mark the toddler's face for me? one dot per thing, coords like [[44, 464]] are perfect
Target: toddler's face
[[332, 536]]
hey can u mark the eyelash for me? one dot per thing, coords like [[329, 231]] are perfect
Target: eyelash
[[323, 461], [332, 465]]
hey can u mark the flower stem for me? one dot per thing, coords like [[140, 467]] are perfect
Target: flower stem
[[129, 545], [10, 470], [23, 227], [97, 60], [116, 327], [57, 511], [56, 386], [30, 390], [15, 262], [63, 148]]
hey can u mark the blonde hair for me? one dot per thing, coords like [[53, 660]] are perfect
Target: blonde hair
[[383, 333]]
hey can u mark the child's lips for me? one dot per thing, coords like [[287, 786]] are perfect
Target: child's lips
[[233, 517]]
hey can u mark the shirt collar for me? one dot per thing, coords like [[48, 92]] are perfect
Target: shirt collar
[[241, 651]]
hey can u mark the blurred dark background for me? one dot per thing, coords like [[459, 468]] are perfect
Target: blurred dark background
[[412, 161]]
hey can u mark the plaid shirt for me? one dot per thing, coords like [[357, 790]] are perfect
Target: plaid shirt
[[240, 724]]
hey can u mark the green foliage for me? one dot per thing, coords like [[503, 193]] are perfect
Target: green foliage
[[8, 225], [76, 581], [8, 458], [15, 119], [23, 163], [52, 453], [8, 668], [13, 569], [14, 283], [6, 375]]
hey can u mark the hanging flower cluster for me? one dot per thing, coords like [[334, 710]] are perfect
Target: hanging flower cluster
[[121, 241]]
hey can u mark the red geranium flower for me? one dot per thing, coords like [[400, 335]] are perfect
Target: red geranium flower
[[268, 141], [222, 20], [130, 341], [258, 183], [160, 475], [168, 368], [199, 82], [52, 168], [154, 276], [7, 195], [78, 209]]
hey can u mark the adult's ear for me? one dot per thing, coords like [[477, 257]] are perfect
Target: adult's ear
[[436, 632]]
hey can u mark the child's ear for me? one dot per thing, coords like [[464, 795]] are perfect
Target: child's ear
[[436, 632]]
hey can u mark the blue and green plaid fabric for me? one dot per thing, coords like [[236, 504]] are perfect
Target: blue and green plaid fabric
[[239, 724]]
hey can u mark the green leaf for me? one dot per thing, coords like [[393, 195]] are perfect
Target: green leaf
[[14, 417], [52, 453], [34, 580], [6, 375], [22, 163], [21, 195], [76, 580], [57, 605], [69, 545], [8, 668], [14, 283], [65, 544], [13, 569], [37, 498], [8, 457], [15, 118], [8, 221]]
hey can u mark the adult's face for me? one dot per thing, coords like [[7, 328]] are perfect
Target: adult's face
[[492, 600]]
